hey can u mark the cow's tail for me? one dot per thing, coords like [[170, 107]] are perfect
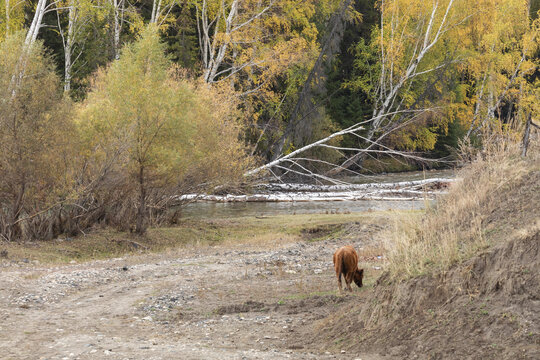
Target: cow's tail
[[340, 265], [343, 266]]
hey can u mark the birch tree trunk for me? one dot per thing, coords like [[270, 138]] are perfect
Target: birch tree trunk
[[390, 86], [30, 39], [494, 104], [477, 106], [156, 10], [216, 38], [32, 34], [68, 48], [118, 20]]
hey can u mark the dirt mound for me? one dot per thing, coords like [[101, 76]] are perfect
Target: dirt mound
[[292, 306], [484, 308], [321, 232], [310, 303], [248, 306]]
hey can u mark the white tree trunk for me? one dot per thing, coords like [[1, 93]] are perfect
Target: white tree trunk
[[388, 87], [30, 39], [494, 105], [118, 19], [349, 130], [156, 11], [428, 43], [32, 34], [477, 106], [68, 48], [213, 54]]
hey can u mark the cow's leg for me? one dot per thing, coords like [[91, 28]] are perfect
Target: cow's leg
[[348, 281], [339, 282], [338, 275]]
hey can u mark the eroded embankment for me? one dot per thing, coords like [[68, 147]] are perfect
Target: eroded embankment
[[484, 306]]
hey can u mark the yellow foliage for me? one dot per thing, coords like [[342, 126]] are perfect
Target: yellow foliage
[[142, 114], [11, 17]]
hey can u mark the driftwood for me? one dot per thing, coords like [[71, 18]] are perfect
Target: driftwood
[[405, 190], [352, 187]]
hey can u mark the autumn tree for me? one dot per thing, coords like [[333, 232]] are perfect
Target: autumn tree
[[503, 40], [34, 130], [155, 131], [420, 68]]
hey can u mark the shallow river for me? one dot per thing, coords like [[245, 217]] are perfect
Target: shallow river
[[236, 209], [225, 210]]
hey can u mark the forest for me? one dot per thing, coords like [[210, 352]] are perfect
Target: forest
[[111, 109]]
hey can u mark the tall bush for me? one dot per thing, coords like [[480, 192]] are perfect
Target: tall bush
[[150, 134], [35, 137]]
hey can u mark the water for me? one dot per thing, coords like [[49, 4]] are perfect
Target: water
[[238, 209], [404, 176]]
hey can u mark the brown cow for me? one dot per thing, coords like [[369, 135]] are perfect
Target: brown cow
[[346, 263]]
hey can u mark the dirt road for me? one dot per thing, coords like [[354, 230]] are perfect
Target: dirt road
[[224, 302]]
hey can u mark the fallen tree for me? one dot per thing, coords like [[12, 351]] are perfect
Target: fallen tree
[[404, 190]]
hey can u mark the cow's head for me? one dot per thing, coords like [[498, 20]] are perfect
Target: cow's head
[[358, 276]]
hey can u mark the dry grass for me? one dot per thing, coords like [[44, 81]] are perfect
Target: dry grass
[[457, 228], [266, 232]]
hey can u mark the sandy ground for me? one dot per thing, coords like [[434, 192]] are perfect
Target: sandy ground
[[223, 302]]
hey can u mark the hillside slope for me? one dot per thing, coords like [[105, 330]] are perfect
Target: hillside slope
[[484, 306]]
